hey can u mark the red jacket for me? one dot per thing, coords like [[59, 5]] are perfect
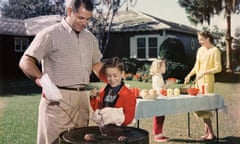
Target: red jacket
[[126, 100]]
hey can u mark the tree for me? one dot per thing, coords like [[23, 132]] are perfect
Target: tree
[[105, 11], [236, 49], [218, 37], [200, 11], [31, 8]]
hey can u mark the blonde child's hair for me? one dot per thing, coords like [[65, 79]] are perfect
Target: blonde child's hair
[[155, 66]]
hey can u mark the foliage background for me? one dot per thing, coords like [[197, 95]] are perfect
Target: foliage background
[[22, 9]]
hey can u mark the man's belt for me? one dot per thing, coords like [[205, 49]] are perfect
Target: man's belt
[[86, 88]]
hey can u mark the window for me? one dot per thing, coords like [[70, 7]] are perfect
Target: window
[[20, 44], [141, 47], [153, 47], [145, 46]]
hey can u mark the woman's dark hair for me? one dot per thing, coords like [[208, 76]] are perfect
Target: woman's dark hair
[[88, 4], [207, 34], [114, 62]]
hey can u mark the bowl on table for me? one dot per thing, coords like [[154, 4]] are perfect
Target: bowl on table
[[163, 92], [193, 91], [183, 90], [148, 94]]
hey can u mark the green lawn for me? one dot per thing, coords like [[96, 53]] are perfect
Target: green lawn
[[18, 118]]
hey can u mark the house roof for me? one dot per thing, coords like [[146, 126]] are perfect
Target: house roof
[[27, 27], [124, 21], [33, 25], [11, 26], [133, 20]]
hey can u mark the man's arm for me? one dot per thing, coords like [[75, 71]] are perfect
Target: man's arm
[[97, 70], [29, 67]]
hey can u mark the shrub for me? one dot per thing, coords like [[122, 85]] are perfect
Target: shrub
[[129, 76], [172, 48], [176, 70], [144, 72], [130, 65]]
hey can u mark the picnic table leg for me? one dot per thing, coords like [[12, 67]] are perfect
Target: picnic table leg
[[137, 123], [217, 124], [189, 125]]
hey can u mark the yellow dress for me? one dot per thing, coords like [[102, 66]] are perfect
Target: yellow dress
[[207, 60]]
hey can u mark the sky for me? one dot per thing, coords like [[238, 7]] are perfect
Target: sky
[[170, 10]]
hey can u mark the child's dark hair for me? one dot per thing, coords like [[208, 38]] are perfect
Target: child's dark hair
[[114, 62]]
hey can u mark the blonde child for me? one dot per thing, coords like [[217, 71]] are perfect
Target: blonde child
[[158, 67]]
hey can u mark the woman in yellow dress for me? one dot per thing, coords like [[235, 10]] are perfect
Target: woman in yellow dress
[[208, 63]]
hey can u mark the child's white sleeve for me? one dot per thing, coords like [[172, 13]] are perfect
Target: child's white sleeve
[[157, 83]]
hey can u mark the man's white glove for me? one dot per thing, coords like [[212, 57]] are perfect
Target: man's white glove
[[50, 90], [112, 116]]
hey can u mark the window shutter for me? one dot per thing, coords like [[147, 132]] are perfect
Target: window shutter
[[133, 47]]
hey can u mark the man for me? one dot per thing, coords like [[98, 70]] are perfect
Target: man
[[68, 53]]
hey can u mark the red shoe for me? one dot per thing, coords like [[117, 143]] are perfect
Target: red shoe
[[161, 139]]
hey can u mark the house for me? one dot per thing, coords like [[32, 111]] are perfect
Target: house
[[133, 34], [15, 37], [139, 35]]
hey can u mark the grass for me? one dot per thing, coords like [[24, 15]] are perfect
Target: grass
[[18, 117], [18, 120]]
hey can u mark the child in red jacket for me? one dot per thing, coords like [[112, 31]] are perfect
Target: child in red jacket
[[116, 102]]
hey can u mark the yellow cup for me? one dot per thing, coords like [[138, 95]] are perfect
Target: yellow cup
[[176, 92], [169, 92]]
